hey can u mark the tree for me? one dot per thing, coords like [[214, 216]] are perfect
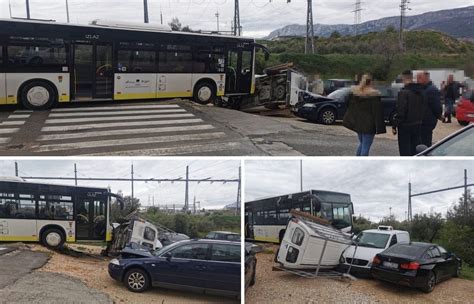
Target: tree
[[390, 29], [335, 35], [426, 227], [175, 24], [129, 206], [463, 212], [361, 223]]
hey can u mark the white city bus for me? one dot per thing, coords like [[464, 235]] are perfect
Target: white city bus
[[266, 219], [54, 214], [45, 63]]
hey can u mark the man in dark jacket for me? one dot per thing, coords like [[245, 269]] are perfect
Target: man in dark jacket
[[433, 110], [451, 93], [409, 112]]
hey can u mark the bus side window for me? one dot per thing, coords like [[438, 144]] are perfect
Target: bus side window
[[7, 202]]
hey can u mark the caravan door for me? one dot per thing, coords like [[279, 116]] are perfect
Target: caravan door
[[145, 234], [292, 247]]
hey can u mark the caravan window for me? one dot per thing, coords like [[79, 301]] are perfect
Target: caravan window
[[298, 237], [149, 234]]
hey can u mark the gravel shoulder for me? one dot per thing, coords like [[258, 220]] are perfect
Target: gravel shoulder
[[281, 287], [92, 271]]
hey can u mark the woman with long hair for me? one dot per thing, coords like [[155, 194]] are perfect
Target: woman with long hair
[[364, 114]]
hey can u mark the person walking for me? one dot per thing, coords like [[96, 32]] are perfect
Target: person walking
[[451, 92], [433, 109], [409, 112], [364, 114]]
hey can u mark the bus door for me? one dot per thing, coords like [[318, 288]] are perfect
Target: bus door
[[239, 71], [93, 71], [91, 218]]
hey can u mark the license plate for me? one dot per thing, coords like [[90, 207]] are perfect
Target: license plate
[[390, 265]]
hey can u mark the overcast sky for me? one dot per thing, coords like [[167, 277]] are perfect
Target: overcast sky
[[215, 195], [258, 17], [374, 185]]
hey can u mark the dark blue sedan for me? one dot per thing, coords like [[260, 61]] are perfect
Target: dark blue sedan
[[328, 109], [204, 266]]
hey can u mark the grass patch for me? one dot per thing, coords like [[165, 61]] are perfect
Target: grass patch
[[467, 272], [268, 251]]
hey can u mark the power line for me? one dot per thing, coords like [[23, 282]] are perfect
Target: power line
[[309, 42], [357, 15]]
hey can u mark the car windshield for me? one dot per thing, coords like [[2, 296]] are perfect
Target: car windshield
[[339, 93], [406, 250], [460, 145], [372, 239]]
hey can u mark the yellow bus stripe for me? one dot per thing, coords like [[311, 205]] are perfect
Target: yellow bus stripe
[[267, 239], [16, 238]]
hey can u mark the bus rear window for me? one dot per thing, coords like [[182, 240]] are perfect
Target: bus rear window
[[298, 237]]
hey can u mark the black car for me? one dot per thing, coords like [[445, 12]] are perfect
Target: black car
[[223, 235], [250, 264], [332, 85], [460, 143], [420, 265], [171, 237], [204, 266], [328, 109]]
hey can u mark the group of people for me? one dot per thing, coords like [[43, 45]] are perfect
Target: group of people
[[417, 111]]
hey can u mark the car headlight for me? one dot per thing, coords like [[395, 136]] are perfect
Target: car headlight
[[115, 262], [309, 105]]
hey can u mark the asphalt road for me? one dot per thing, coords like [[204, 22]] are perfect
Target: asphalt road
[[173, 127], [20, 283]]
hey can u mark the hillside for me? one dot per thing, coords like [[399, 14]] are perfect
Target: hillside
[[458, 23], [424, 42]]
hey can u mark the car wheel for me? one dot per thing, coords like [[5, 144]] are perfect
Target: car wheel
[[204, 93], [327, 116], [279, 92], [137, 280], [38, 95], [430, 283], [252, 280], [53, 238], [463, 122]]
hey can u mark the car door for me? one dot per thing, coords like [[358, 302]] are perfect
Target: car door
[[440, 263], [450, 261], [223, 272], [183, 265]]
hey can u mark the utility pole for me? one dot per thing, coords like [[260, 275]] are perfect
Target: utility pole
[[131, 201], [145, 8], [309, 42], [10, 7], [75, 174], [465, 191], [301, 175], [186, 198], [67, 10], [390, 212], [357, 16], [27, 9], [161, 16], [409, 203], [403, 10], [194, 205], [217, 16], [153, 201], [237, 28], [237, 209], [16, 169]]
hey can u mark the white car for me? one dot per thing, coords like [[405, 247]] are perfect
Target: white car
[[370, 242]]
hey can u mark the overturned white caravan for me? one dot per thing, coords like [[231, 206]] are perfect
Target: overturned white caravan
[[311, 243]]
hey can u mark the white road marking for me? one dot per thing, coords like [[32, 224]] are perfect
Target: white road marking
[[128, 141], [12, 123], [7, 131], [123, 132], [91, 114], [113, 108], [4, 140], [23, 111], [120, 124], [18, 116], [140, 117], [180, 150]]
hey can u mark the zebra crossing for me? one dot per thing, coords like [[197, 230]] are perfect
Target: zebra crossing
[[146, 129], [11, 125]]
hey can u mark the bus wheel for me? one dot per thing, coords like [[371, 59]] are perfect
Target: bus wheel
[[204, 93], [38, 95], [53, 238]]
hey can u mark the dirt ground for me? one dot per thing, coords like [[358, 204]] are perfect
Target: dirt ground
[[281, 287], [93, 272]]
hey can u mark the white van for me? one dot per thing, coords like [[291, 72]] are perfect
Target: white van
[[370, 242], [308, 244]]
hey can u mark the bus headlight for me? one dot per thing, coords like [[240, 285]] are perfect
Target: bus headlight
[[115, 262]]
